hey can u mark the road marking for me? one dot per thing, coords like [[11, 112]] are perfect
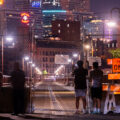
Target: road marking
[[55, 103]]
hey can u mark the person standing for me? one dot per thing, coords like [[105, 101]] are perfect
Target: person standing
[[18, 84], [80, 85], [96, 76], [1, 79]]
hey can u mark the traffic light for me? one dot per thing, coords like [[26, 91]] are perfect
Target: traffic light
[[1, 2], [25, 18]]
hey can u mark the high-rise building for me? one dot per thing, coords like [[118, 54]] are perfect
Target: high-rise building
[[76, 5], [66, 30], [33, 7], [51, 4], [21, 4]]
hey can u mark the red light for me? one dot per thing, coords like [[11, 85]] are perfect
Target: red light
[[25, 18]]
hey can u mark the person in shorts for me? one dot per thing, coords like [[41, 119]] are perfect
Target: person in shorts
[[96, 76], [80, 85]]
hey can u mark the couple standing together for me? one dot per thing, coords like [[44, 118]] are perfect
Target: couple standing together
[[96, 76]]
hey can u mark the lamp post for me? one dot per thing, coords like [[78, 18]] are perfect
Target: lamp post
[[86, 48], [26, 58]]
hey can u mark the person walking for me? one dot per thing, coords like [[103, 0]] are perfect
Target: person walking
[[18, 84], [80, 85], [96, 76]]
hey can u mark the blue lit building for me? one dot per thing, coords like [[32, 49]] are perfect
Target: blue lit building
[[51, 10]]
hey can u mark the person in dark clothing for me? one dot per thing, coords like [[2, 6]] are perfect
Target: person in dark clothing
[[96, 76], [80, 85], [18, 84], [1, 79]]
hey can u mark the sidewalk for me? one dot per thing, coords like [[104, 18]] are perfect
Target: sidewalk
[[59, 117]]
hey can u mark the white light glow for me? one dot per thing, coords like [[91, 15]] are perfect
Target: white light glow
[[59, 69], [75, 55], [26, 58], [87, 47], [111, 24], [33, 65], [69, 60], [9, 39]]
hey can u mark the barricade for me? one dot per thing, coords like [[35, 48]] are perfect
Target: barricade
[[6, 100], [110, 104]]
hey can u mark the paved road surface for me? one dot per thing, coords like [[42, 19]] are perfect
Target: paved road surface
[[53, 98], [52, 101]]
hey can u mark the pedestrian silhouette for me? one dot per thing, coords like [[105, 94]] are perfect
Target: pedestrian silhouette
[[1, 79], [18, 84], [80, 85], [96, 76]]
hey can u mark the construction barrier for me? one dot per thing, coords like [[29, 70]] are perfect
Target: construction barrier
[[6, 100]]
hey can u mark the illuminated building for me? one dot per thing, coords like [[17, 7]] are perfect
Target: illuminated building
[[48, 17], [76, 5], [33, 7], [66, 30], [98, 29], [46, 51], [51, 4]]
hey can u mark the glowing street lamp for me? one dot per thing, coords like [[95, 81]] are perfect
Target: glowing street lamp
[[9, 39], [87, 47], [33, 65], [69, 60], [75, 55], [111, 24], [26, 58]]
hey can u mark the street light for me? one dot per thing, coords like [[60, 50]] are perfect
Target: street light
[[75, 55], [33, 65], [9, 39], [111, 24], [69, 60], [86, 47], [26, 58]]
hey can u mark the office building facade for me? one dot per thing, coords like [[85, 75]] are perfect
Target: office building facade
[[76, 5]]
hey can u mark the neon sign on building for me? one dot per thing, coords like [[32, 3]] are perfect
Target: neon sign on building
[[36, 3]]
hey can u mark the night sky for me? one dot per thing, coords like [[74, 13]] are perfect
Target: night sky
[[97, 6], [104, 6]]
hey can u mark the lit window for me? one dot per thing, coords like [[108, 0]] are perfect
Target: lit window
[[59, 25], [68, 25], [59, 31]]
